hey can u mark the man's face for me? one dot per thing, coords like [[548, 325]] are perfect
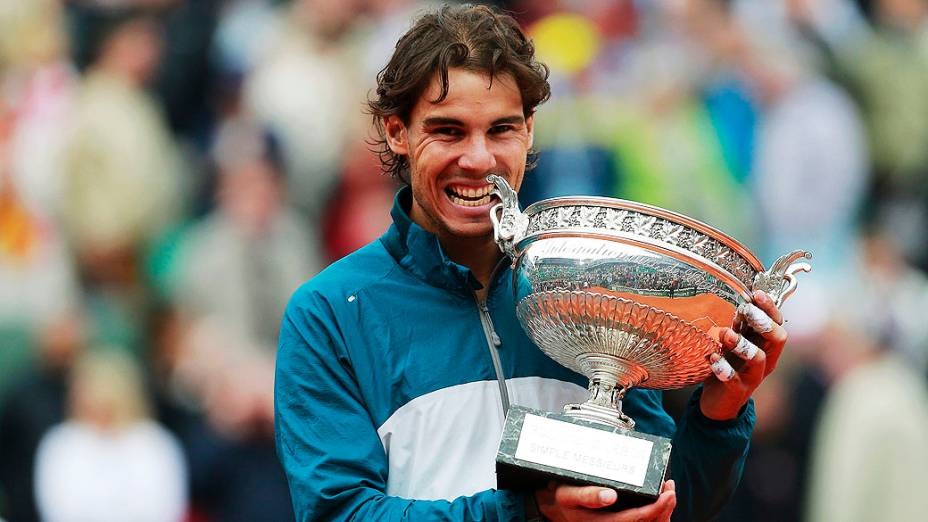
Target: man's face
[[478, 129]]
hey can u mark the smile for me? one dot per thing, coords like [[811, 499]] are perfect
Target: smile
[[470, 196]]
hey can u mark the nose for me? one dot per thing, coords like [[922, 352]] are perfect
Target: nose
[[477, 155]]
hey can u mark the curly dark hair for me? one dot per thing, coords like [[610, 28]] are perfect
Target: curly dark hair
[[474, 38]]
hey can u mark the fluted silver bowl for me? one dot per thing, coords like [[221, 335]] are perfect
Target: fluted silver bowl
[[627, 294]]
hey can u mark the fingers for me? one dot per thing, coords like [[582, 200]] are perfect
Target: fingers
[[763, 301], [721, 368], [756, 319], [575, 503], [660, 510], [765, 319], [587, 496], [738, 344], [744, 348], [669, 485], [753, 360]]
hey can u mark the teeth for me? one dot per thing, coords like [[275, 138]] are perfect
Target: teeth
[[470, 192], [470, 203]]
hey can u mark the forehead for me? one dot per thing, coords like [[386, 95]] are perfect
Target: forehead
[[470, 95]]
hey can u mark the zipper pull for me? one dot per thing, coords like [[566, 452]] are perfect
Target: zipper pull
[[497, 342]]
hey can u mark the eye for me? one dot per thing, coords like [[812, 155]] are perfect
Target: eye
[[500, 129], [447, 131]]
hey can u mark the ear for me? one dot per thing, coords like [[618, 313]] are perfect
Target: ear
[[397, 137], [530, 127]]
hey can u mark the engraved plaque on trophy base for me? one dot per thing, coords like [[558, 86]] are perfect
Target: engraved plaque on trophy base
[[539, 446]]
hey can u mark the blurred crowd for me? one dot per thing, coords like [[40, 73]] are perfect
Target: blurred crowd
[[171, 170]]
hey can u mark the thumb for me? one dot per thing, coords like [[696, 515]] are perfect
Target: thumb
[[587, 496]]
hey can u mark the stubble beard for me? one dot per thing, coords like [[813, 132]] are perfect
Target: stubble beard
[[436, 225], [431, 215]]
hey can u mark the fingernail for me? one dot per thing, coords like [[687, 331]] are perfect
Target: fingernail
[[745, 349], [731, 337], [607, 496], [762, 297], [756, 318], [722, 370]]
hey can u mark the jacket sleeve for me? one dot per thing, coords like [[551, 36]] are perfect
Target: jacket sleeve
[[707, 460], [328, 444]]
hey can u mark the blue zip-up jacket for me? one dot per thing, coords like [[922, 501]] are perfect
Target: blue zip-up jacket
[[388, 405]]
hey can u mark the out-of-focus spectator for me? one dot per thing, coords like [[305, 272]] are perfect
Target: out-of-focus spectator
[[229, 439], [38, 292], [109, 460], [892, 289], [35, 402], [36, 272], [865, 54], [811, 166], [122, 170], [573, 140], [307, 91], [122, 173], [245, 34], [885, 64], [669, 145], [360, 207], [38, 84], [235, 270], [185, 75], [388, 20], [811, 172], [870, 443], [242, 262]]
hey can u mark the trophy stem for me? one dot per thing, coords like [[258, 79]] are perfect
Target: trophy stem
[[604, 406], [610, 378]]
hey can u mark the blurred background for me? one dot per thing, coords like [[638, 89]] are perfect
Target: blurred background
[[171, 170]]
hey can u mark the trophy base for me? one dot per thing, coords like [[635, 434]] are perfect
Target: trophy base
[[538, 447]]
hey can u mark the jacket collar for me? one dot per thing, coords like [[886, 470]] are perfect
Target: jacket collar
[[419, 251]]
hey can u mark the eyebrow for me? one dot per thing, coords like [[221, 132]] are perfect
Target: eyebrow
[[517, 120], [438, 121]]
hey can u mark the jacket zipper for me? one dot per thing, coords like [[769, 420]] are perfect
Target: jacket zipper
[[493, 340], [493, 343]]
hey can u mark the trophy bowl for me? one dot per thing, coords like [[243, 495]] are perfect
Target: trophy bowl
[[628, 294]]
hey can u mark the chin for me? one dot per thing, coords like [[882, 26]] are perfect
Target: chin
[[470, 230], [466, 221]]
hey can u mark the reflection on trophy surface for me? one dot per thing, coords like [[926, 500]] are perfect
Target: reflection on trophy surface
[[628, 294]]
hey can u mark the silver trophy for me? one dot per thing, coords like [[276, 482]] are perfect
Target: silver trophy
[[628, 295]]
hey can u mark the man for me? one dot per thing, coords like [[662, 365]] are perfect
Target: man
[[394, 362]]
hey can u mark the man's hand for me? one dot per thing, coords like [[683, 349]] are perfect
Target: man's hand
[[751, 351], [560, 502]]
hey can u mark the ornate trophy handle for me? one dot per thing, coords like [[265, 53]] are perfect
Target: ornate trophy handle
[[509, 223], [780, 279]]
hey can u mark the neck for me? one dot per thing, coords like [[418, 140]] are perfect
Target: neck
[[479, 254]]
